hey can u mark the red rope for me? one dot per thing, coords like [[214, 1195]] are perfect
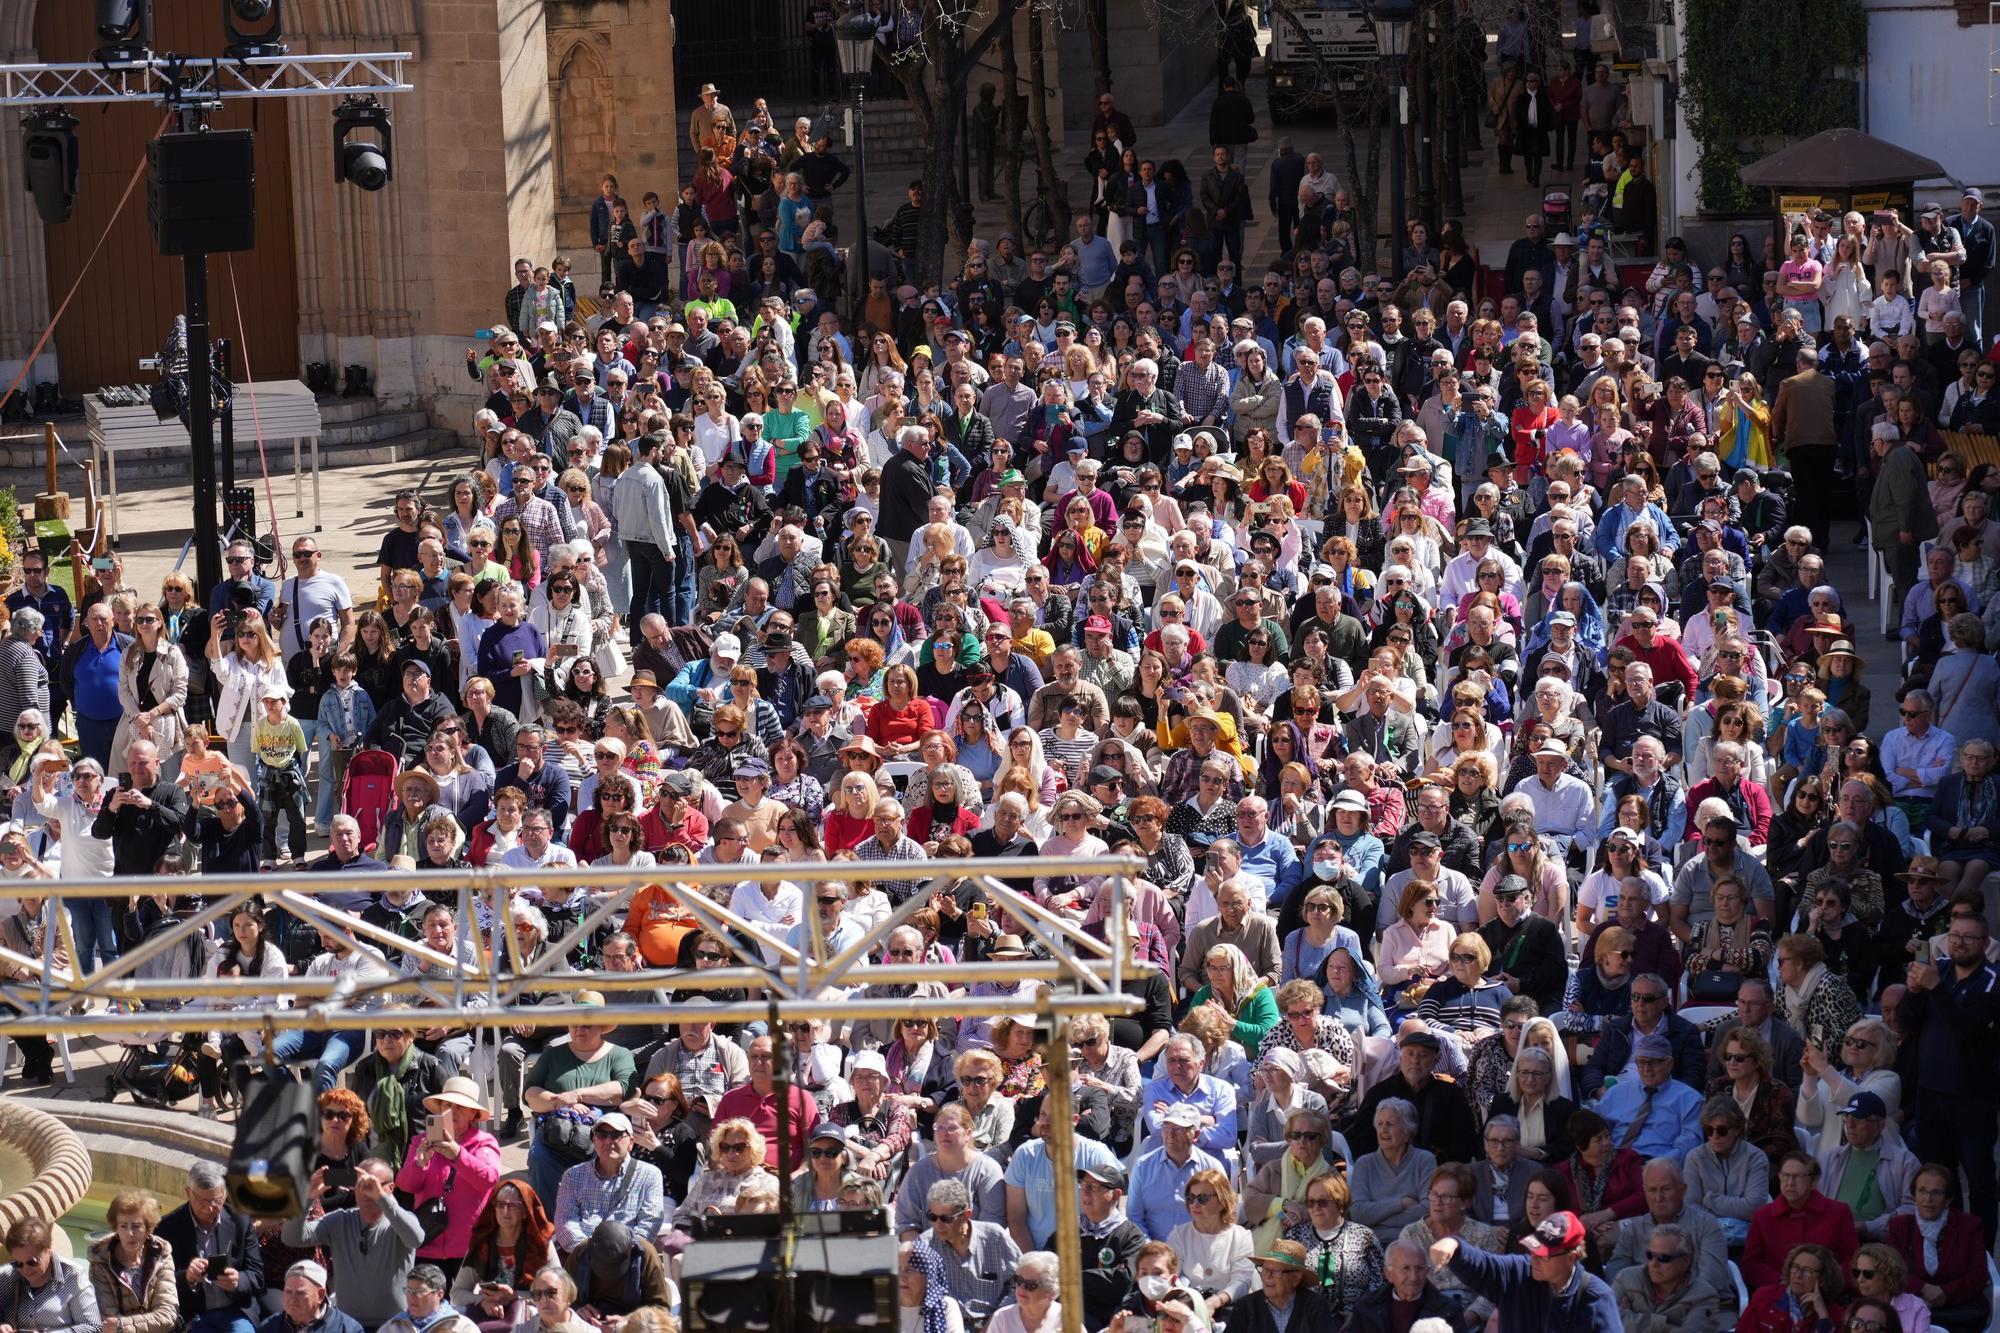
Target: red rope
[[138, 170], [256, 421]]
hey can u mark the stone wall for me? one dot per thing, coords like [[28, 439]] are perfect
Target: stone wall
[[611, 84]]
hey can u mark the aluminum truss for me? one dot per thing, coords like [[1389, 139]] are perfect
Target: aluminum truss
[[203, 78], [1082, 974]]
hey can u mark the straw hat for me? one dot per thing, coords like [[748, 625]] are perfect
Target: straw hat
[[457, 1091]]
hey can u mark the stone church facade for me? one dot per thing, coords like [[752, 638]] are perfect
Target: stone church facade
[[519, 108]]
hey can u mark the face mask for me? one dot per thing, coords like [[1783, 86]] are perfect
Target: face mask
[[1326, 869], [1154, 1285]]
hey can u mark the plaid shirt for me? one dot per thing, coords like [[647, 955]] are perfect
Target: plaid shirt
[[984, 1276], [636, 1197], [871, 849], [543, 525], [1201, 390]]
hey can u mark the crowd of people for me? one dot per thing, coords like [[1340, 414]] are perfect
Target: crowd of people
[[1462, 669]]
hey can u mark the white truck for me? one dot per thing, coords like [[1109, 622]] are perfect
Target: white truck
[[1309, 38]]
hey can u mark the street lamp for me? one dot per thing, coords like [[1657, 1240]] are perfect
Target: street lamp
[[855, 35], [1392, 21]]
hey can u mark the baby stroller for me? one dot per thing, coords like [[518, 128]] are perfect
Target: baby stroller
[[158, 1069], [369, 791], [1555, 212]]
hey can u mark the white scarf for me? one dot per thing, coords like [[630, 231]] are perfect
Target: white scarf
[[1932, 1232]]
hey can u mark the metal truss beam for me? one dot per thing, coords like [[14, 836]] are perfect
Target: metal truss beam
[[803, 983], [204, 78]]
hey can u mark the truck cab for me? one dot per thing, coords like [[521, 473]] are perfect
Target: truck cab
[[1314, 53]]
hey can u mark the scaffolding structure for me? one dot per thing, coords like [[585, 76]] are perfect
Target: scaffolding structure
[[1081, 975]]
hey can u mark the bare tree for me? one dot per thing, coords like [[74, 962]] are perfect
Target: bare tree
[[935, 68]]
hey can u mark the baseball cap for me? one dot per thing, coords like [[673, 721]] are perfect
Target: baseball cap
[[1559, 1233], [870, 1062], [310, 1270], [615, 1120], [1184, 1114], [1105, 1173], [726, 645], [1866, 1106], [1420, 1037], [1652, 1047]]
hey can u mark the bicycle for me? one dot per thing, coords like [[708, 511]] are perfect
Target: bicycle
[[1046, 222]]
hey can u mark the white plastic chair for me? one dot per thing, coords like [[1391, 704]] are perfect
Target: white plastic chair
[[1993, 1295], [1742, 1291], [62, 1049]]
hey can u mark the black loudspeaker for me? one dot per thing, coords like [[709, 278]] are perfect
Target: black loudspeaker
[[840, 1283], [270, 1164], [201, 191]]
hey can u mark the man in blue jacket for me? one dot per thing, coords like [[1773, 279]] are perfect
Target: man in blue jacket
[[1547, 1292]]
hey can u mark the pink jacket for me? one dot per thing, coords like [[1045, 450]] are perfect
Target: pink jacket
[[473, 1178]]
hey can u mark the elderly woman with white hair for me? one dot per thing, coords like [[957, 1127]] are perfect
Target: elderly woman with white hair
[[1035, 1308], [1390, 1184]]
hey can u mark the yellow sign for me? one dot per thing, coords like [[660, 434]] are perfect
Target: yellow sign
[[1866, 203], [1802, 203]]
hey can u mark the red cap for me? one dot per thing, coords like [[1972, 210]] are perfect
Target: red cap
[[1559, 1233]]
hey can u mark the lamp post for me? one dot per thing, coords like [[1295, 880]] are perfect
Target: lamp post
[[1392, 21], [855, 35]]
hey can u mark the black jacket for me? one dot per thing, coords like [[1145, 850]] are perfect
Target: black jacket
[[1444, 1117], [139, 838], [1252, 1314], [1372, 1315], [234, 1245], [1533, 954], [906, 496], [1107, 1271]]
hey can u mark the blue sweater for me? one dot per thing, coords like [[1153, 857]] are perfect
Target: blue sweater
[[1529, 1306]]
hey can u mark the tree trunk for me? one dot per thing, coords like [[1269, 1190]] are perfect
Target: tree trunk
[[936, 84], [1038, 105], [1096, 17], [1010, 128]]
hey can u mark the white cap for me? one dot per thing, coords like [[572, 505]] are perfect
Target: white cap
[[727, 645]]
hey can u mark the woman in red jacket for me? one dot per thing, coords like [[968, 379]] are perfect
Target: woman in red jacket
[[1603, 1178], [1800, 1215], [1529, 426], [1948, 1271], [1805, 1298]]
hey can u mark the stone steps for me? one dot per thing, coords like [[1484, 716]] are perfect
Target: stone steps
[[365, 441]]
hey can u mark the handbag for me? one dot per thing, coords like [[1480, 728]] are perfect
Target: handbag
[[1714, 987], [609, 656], [434, 1215], [566, 1136]]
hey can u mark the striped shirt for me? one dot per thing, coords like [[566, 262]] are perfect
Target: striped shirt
[[983, 1277]]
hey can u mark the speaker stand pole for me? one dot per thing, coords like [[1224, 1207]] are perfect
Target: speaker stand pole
[[201, 422], [788, 1223], [228, 423]]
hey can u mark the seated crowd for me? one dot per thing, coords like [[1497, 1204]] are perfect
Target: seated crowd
[[1517, 867]]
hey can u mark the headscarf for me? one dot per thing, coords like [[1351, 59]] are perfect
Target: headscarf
[[925, 1260], [1590, 628], [1269, 767]]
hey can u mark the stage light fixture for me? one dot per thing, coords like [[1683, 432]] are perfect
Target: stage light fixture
[[254, 27], [50, 155], [126, 28], [270, 1163], [364, 162]]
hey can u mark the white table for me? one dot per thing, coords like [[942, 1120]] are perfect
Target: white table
[[285, 410]]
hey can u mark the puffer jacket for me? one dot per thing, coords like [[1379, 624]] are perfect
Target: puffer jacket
[[159, 1311]]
